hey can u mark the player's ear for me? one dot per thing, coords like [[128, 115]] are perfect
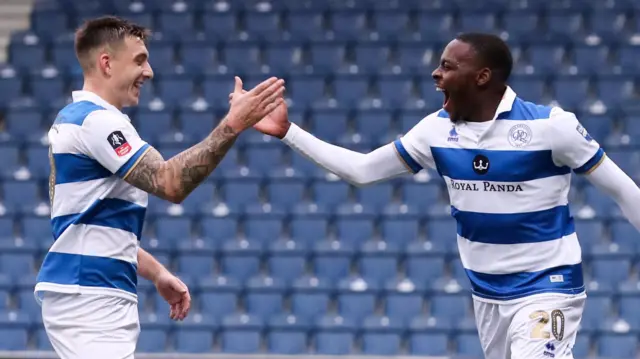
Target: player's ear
[[483, 77], [104, 63]]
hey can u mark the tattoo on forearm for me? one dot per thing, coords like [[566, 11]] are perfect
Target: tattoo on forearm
[[184, 172]]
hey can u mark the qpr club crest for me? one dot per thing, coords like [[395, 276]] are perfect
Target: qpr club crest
[[520, 135]]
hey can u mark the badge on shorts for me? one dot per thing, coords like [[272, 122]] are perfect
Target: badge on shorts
[[119, 143]]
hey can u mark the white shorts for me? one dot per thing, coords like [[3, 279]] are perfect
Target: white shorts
[[90, 325], [541, 327]]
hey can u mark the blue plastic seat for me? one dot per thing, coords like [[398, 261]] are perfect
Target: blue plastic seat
[[589, 233], [356, 298], [152, 341], [241, 259], [22, 123], [264, 297], [173, 229], [14, 334], [309, 229], [310, 297], [27, 56], [477, 21], [378, 261], [38, 161], [404, 305], [263, 24], [381, 336], [20, 194], [428, 344], [264, 224], [334, 336], [306, 90], [596, 308], [11, 87], [153, 124], [175, 24], [305, 25], [242, 58], [591, 59], [330, 194], [424, 264], [519, 23], [47, 89], [175, 89], [611, 270], [241, 334], [218, 296], [287, 260], [390, 24], [469, 345], [219, 229], [195, 258], [617, 346], [349, 91], [287, 334], [197, 57], [242, 192], [571, 91]]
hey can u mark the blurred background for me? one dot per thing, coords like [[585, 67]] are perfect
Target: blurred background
[[281, 257]]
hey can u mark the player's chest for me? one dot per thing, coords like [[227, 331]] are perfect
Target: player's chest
[[508, 152]]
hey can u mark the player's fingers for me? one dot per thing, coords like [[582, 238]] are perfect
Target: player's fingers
[[238, 85], [274, 88], [272, 106], [274, 96], [263, 86]]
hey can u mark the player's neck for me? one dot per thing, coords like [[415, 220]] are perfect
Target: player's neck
[[486, 107], [103, 92]]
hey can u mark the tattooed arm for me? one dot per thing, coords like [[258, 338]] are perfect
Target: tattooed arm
[[174, 179]]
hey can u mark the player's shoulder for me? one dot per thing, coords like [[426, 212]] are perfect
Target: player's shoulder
[[77, 113]]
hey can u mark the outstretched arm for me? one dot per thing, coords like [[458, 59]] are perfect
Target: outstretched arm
[[356, 168], [610, 179], [175, 178]]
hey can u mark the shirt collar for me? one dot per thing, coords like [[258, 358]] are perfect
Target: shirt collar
[[506, 104], [92, 97]]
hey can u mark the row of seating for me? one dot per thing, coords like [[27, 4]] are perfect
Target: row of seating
[[29, 54]]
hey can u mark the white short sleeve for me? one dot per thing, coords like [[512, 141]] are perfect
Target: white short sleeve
[[572, 146], [414, 148], [112, 141]]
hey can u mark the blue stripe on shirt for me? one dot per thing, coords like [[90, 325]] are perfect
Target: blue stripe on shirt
[[75, 113], [88, 271], [108, 212], [406, 157], [127, 166], [72, 167], [514, 228], [593, 161], [504, 166], [518, 285]]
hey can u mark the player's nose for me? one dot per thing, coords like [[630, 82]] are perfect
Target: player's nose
[[436, 74], [147, 72]]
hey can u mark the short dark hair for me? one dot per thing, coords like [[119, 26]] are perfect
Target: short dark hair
[[492, 51], [104, 31]]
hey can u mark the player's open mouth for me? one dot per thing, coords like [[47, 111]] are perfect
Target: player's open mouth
[[138, 84], [446, 96]]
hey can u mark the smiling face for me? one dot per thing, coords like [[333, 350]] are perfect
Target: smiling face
[[460, 77], [129, 68]]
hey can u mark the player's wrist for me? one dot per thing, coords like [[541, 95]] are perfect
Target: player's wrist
[[289, 132]]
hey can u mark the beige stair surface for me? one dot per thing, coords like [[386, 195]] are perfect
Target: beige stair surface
[[14, 16]]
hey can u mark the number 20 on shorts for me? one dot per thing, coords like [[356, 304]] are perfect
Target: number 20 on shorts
[[557, 324]]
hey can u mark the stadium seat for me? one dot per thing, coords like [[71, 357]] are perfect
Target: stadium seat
[[287, 335], [241, 334], [218, 296], [335, 335], [264, 297], [381, 336], [310, 298], [287, 260]]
